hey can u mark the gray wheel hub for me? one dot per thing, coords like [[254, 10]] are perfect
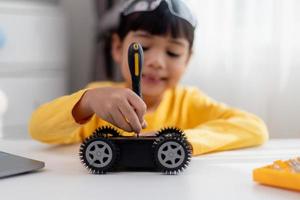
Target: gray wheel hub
[[171, 154], [99, 154]]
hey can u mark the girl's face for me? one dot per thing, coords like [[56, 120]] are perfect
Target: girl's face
[[165, 60]]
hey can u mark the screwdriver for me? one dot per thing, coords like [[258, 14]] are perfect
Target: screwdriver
[[135, 62]]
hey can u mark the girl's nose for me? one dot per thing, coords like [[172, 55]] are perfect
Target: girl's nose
[[155, 59]]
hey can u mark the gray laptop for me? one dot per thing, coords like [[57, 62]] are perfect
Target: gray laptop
[[13, 165]]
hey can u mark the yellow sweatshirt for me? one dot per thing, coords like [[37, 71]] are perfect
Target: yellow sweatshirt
[[209, 126]]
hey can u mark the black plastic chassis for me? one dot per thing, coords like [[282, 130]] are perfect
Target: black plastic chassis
[[168, 151], [135, 152]]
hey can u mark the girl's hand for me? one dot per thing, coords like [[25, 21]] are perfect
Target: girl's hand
[[119, 106]]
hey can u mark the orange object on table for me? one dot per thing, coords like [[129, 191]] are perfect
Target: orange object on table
[[283, 174]]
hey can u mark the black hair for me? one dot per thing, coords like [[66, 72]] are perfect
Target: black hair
[[157, 22]]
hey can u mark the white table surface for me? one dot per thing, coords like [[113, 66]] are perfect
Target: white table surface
[[220, 176]]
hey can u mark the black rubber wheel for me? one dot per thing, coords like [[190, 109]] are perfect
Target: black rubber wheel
[[172, 152], [106, 131], [170, 130], [98, 154]]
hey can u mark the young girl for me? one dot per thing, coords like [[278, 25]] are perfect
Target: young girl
[[165, 29]]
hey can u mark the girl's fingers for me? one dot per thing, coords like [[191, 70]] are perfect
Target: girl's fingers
[[138, 104], [144, 124], [120, 121], [130, 116], [109, 119]]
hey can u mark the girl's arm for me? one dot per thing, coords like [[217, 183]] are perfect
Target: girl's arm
[[72, 118], [53, 122], [216, 127]]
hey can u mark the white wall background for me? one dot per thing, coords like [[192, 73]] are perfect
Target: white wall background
[[81, 19], [247, 54], [33, 59]]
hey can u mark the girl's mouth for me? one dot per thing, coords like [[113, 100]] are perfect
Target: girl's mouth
[[151, 79]]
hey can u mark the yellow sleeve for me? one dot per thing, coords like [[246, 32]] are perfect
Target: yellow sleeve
[[216, 127], [53, 122]]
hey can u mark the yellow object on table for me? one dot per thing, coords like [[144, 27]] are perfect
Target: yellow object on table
[[284, 174]]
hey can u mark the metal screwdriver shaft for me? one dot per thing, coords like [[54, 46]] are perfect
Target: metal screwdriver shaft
[[135, 62]]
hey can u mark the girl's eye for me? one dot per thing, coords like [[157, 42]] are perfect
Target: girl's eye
[[171, 54], [145, 48]]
